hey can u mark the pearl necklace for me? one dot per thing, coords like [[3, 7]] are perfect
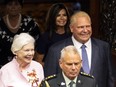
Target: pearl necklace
[[9, 24]]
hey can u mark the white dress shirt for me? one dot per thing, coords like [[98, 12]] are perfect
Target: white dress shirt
[[88, 49]]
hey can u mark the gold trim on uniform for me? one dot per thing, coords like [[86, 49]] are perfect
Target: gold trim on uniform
[[85, 74]]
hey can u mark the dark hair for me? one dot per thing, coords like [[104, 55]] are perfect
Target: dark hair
[[51, 18], [7, 1]]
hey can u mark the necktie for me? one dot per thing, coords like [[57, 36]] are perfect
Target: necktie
[[71, 83], [85, 62]]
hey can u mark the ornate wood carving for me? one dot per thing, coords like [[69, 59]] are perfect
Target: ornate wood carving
[[108, 21]]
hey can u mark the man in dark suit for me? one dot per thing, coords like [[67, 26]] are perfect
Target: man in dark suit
[[99, 54], [70, 64]]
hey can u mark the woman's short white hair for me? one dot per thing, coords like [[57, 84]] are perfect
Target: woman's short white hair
[[20, 40]]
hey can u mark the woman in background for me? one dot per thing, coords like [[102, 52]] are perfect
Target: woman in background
[[57, 29], [22, 71], [12, 23]]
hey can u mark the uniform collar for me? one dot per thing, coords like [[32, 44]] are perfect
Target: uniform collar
[[67, 80]]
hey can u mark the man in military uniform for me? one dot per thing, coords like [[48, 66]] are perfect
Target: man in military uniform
[[70, 64]]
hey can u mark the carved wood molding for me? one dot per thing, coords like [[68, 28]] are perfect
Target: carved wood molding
[[108, 21]]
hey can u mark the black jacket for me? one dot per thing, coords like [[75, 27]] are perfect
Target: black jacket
[[83, 80]]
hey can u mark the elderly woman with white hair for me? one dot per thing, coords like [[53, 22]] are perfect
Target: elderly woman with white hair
[[22, 71]]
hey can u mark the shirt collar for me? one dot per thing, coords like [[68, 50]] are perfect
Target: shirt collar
[[88, 43], [67, 80], [18, 65]]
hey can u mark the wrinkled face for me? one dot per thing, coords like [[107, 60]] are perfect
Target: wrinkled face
[[26, 54], [61, 18], [81, 29], [13, 8], [71, 65]]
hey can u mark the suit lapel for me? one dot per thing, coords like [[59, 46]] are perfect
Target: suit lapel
[[95, 52]]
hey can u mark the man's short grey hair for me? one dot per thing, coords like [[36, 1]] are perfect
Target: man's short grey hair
[[21, 40], [68, 49]]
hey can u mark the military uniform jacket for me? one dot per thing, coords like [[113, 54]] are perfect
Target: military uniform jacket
[[83, 80]]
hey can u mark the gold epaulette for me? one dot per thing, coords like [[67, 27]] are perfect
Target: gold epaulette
[[46, 80], [85, 74], [50, 77]]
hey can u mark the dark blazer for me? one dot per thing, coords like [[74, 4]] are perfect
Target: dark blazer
[[101, 67], [58, 81]]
